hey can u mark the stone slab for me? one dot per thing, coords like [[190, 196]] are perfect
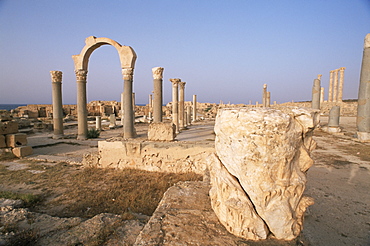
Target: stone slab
[[15, 140], [161, 132], [8, 127], [22, 151]]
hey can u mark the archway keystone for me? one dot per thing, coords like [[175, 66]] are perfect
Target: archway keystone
[[127, 58]]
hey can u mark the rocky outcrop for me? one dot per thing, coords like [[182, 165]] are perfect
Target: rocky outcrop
[[259, 179]]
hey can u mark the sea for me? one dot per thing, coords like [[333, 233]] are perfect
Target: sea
[[10, 106]]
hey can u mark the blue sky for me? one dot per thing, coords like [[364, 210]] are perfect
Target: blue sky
[[224, 50]]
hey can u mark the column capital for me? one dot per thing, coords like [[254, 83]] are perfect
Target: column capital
[[81, 74], [157, 72], [367, 41], [342, 68], [127, 73], [319, 76], [264, 86], [182, 84], [56, 76], [175, 81]]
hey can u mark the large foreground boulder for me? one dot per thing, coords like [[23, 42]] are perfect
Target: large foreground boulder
[[259, 174]]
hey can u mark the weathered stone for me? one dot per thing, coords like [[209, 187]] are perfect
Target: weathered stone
[[267, 150], [15, 140], [2, 141], [22, 151], [161, 131], [8, 127]]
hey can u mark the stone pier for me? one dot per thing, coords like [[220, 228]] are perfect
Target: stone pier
[[158, 91], [316, 91], [175, 103], [194, 108], [363, 108], [56, 78], [182, 105]]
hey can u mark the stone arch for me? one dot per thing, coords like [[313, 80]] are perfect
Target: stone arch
[[127, 58]]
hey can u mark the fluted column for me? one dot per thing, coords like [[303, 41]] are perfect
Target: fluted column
[[330, 93], [182, 105], [128, 121], [158, 93], [363, 109], [194, 108], [341, 82], [175, 103], [56, 81], [315, 103], [335, 86], [81, 104]]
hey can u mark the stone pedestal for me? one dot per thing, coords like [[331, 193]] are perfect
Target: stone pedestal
[[158, 90], [56, 78], [159, 131], [363, 109], [259, 175]]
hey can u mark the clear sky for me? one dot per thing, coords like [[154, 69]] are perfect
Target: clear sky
[[224, 50]]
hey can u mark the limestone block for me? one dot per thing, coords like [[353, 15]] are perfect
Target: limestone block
[[267, 150], [234, 210], [15, 140], [8, 127], [22, 151], [161, 132], [2, 141]]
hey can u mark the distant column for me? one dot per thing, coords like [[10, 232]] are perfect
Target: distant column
[[322, 94], [341, 82], [363, 108], [128, 122], [268, 99], [188, 115], [264, 95], [81, 104], [194, 108], [98, 123], [335, 86], [330, 94], [316, 94], [175, 103], [182, 105], [56, 81], [158, 90]]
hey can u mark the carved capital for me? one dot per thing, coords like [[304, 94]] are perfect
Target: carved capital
[[175, 81], [182, 85], [128, 73], [264, 86], [367, 41], [81, 74], [157, 72], [342, 69], [319, 76], [56, 76]]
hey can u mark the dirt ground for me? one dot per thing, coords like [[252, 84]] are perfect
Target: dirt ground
[[339, 181]]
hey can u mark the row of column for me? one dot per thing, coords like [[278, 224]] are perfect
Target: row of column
[[335, 93]]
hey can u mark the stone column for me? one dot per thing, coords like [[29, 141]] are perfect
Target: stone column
[[56, 79], [122, 109], [158, 93], [98, 123], [128, 121], [188, 115], [330, 93], [334, 115], [81, 104], [175, 103], [341, 81], [363, 108], [322, 94], [181, 105], [268, 99], [264, 95], [335, 86], [316, 94], [194, 108]]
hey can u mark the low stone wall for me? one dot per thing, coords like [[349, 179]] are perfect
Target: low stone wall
[[173, 157]]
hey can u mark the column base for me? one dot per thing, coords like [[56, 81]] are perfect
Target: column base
[[59, 136], [363, 136], [81, 137]]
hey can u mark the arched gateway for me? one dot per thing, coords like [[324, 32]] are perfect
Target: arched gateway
[[127, 58]]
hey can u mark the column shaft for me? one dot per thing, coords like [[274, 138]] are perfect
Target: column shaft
[[81, 104], [175, 103], [57, 103], [128, 121], [316, 90], [158, 93], [341, 82], [194, 108], [182, 105], [330, 93], [335, 91]]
